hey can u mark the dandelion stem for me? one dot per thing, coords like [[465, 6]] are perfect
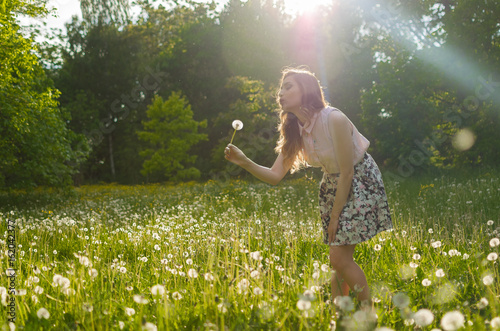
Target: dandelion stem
[[233, 136]]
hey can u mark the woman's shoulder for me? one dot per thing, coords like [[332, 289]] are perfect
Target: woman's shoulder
[[334, 114]]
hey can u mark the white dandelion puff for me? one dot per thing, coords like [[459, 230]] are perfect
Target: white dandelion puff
[[176, 296], [401, 300], [93, 273], [148, 326], [325, 268], [256, 256], [426, 282], [416, 256], [492, 256], [257, 291], [43, 313], [423, 317], [255, 274], [222, 308], [377, 247], [309, 295], [243, 285], [140, 299], [192, 273], [494, 242], [237, 125], [344, 302], [38, 290], [303, 304], [129, 311], [209, 277], [488, 280], [440, 273], [452, 320], [88, 307], [158, 290], [483, 303], [495, 323], [436, 244]]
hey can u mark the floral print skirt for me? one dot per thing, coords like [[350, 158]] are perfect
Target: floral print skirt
[[366, 211]]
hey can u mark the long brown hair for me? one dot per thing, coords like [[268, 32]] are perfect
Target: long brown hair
[[290, 142]]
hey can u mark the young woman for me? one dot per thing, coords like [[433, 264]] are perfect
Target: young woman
[[353, 202]]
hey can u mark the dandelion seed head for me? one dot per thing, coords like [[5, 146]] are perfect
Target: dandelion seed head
[[494, 242], [492, 256], [43, 313], [401, 300], [148, 326], [303, 304], [87, 307], [255, 274], [256, 256], [243, 285], [440, 273], [237, 125], [488, 280], [436, 244], [192, 273], [257, 291], [452, 320], [129, 311], [158, 290], [426, 282], [309, 295], [377, 247], [495, 323], [483, 303], [416, 256], [140, 299], [423, 317], [345, 303]]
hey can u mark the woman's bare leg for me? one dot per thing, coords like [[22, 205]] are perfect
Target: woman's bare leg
[[342, 262], [339, 287]]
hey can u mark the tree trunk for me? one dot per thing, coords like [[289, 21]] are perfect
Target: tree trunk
[[111, 159]]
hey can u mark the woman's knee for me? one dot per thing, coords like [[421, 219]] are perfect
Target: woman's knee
[[340, 257], [339, 263]]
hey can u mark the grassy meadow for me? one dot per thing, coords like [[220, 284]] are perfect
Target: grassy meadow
[[245, 256]]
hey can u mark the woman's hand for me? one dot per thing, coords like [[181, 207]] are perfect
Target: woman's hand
[[332, 228], [234, 155]]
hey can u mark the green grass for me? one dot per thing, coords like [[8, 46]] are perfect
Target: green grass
[[135, 237]]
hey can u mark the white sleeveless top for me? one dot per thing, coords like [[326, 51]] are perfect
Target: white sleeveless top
[[318, 143]]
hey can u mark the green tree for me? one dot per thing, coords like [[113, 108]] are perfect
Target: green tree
[[35, 142], [255, 107], [170, 133]]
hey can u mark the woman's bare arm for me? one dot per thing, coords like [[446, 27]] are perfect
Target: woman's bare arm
[[271, 175], [341, 128]]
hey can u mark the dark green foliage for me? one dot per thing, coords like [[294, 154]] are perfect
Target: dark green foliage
[[170, 132], [35, 142]]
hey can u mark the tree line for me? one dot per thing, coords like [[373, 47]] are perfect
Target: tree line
[[152, 99]]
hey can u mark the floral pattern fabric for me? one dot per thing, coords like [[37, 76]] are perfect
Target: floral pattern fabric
[[366, 212]]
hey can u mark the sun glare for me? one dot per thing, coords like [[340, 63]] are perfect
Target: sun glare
[[304, 6]]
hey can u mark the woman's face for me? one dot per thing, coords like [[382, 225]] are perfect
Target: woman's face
[[290, 96]]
